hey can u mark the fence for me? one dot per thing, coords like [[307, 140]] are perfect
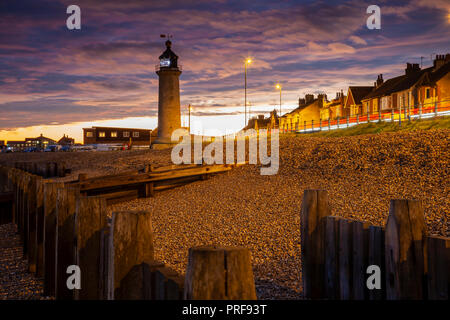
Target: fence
[[336, 253], [59, 228], [438, 108]]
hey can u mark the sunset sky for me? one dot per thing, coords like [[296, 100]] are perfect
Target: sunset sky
[[55, 81]]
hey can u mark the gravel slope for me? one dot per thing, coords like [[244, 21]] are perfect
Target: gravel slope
[[241, 207]]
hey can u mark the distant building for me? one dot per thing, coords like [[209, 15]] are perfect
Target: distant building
[[16, 145], [260, 122], [66, 141], [417, 88], [107, 135], [308, 110], [334, 108], [40, 142], [353, 104]]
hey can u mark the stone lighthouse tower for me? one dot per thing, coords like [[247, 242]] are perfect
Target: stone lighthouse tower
[[169, 116]]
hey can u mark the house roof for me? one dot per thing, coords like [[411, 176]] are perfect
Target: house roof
[[300, 108], [359, 93], [397, 84], [440, 73]]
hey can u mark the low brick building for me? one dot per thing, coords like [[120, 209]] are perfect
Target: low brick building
[[112, 135]]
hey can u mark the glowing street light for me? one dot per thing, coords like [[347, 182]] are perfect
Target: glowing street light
[[246, 63], [278, 86]]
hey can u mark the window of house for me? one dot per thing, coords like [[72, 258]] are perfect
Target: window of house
[[126, 134], [89, 134], [113, 134], [136, 134], [427, 93], [101, 134]]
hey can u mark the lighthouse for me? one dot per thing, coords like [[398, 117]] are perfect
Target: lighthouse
[[169, 116]]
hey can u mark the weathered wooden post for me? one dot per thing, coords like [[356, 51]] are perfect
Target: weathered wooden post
[[438, 278], [357, 119], [130, 244], [338, 120], [50, 236], [330, 277], [315, 206], [90, 219], [312, 125], [344, 251], [320, 124], [65, 213], [375, 256], [215, 273], [348, 119], [25, 221], [358, 270], [328, 123], [435, 108], [40, 227], [32, 222], [405, 236], [151, 281]]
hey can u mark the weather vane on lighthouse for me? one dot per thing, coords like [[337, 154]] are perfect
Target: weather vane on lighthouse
[[169, 115]]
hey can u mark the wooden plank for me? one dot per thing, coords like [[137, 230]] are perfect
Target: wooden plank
[[40, 227], [405, 250], [65, 212], [344, 258], [130, 244], [149, 177], [90, 219], [375, 256], [50, 236], [26, 195], [315, 206], [330, 251], [32, 222], [219, 274], [358, 259], [438, 278]]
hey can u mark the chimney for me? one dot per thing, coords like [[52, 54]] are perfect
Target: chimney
[[309, 98], [379, 80], [440, 60], [412, 68], [301, 102]]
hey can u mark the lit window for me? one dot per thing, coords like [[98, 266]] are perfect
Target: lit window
[[136, 134], [114, 134], [126, 134], [89, 134], [101, 134]]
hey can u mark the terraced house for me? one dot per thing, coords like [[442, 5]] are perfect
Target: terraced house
[[307, 111], [353, 104], [413, 92]]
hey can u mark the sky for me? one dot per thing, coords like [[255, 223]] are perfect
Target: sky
[[56, 81]]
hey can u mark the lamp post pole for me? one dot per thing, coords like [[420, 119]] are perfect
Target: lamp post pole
[[247, 61], [245, 93], [278, 86]]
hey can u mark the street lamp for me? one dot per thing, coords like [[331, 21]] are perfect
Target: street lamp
[[246, 63], [278, 86]]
